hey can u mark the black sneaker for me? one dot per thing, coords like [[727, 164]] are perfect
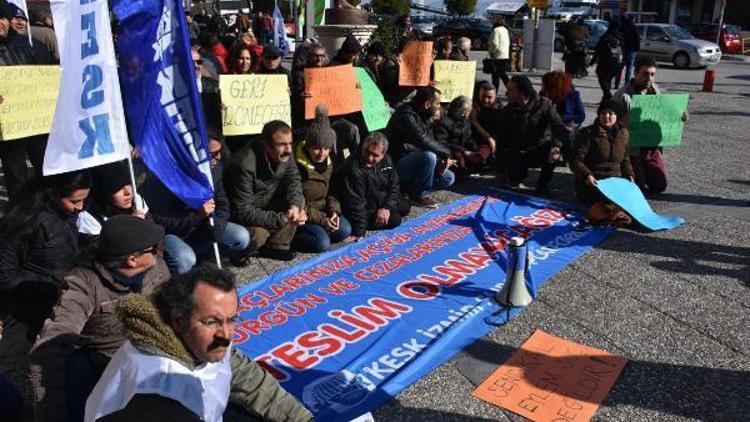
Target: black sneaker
[[242, 258], [277, 254]]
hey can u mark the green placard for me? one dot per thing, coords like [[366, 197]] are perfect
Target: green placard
[[656, 120], [374, 109]]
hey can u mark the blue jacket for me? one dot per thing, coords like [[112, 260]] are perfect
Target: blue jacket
[[572, 108]]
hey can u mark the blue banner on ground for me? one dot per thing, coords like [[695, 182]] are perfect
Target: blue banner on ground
[[629, 197], [162, 103], [346, 331]]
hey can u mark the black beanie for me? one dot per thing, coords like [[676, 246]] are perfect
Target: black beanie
[[126, 235], [5, 10], [351, 45], [320, 134], [376, 48], [607, 104]]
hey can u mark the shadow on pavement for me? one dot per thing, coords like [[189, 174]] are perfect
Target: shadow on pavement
[[686, 256], [740, 182], [395, 412], [700, 199], [701, 393]]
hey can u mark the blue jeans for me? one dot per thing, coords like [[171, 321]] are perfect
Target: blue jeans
[[312, 238], [416, 173], [629, 66], [181, 255]]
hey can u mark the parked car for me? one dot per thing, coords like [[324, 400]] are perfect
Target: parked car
[[730, 39], [670, 43], [596, 28], [478, 30], [425, 24]]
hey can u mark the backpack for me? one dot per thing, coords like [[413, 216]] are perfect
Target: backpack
[[613, 51]]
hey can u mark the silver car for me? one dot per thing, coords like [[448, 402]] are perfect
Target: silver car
[[670, 43]]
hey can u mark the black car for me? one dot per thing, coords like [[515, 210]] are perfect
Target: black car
[[476, 29]]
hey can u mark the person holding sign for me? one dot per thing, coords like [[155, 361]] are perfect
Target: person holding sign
[[240, 61], [384, 71], [648, 165], [15, 51], [325, 223], [422, 162], [600, 151]]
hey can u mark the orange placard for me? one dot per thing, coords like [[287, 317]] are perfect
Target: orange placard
[[414, 68], [336, 87], [551, 379]]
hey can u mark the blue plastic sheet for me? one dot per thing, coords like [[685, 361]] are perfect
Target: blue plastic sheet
[[629, 197]]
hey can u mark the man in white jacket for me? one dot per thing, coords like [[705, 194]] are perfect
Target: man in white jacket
[[499, 52]]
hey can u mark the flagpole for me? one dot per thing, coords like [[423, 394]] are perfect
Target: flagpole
[[132, 182]]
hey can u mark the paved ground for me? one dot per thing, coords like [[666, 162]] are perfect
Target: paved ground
[[676, 304]]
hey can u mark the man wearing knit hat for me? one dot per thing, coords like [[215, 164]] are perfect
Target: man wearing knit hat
[[77, 342], [325, 224], [18, 20]]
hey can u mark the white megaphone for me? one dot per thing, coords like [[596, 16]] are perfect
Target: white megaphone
[[514, 292]]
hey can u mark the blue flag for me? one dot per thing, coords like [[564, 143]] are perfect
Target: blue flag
[[279, 35], [161, 98]]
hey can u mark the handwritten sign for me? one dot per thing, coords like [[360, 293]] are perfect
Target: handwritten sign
[[551, 379], [29, 99], [335, 87], [374, 109], [656, 120], [416, 59], [252, 101], [455, 78]]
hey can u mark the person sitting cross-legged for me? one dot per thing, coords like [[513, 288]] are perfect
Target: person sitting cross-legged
[[454, 131], [189, 233], [600, 151], [265, 191], [422, 162], [325, 224], [369, 189], [83, 332]]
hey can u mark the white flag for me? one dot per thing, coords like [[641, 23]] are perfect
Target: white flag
[[89, 126]]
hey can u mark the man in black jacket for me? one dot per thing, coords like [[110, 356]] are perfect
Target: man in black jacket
[[631, 46], [422, 162], [271, 64], [608, 54], [189, 233], [369, 189], [384, 71], [531, 130], [15, 51]]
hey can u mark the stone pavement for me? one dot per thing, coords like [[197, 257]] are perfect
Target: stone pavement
[[676, 304]]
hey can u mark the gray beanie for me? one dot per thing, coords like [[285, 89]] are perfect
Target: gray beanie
[[320, 134]]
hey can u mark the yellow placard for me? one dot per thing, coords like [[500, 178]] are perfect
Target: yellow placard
[[455, 78], [251, 101], [29, 98]]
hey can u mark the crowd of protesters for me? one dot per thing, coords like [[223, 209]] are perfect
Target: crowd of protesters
[[96, 267]]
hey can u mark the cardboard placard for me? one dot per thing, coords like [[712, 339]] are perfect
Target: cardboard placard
[[374, 108], [414, 67], [251, 101], [551, 379], [336, 87], [455, 78], [656, 120], [29, 100]]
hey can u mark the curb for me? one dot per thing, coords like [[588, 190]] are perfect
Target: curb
[[735, 57]]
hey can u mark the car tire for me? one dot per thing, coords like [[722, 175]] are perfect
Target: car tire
[[681, 60], [558, 45]]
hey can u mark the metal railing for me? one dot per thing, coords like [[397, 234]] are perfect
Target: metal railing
[[745, 45]]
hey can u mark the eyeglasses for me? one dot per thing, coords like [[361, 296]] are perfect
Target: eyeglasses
[[199, 61], [215, 155], [217, 323]]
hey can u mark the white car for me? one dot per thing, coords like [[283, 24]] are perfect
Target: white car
[[670, 43]]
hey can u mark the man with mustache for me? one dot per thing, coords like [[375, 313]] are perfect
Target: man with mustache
[[265, 191], [179, 364]]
